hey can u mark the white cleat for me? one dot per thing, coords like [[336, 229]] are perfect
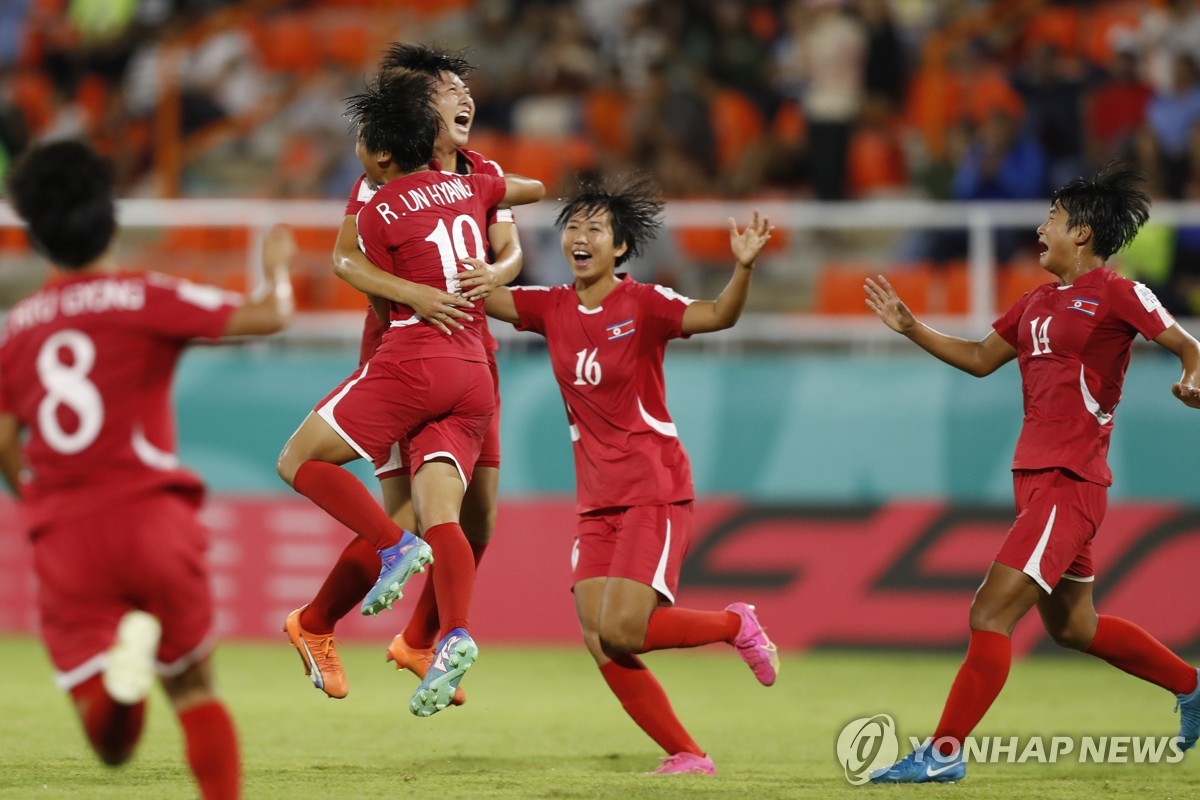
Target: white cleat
[[130, 671]]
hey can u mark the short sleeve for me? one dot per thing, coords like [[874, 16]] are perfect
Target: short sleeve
[[533, 305], [663, 310], [183, 310], [1006, 325], [1137, 305], [485, 166], [491, 190], [360, 194]]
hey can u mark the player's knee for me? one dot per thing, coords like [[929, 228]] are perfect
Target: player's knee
[[286, 466], [1071, 636], [622, 637], [984, 618]]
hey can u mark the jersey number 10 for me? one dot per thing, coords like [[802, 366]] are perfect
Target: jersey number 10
[[453, 251]]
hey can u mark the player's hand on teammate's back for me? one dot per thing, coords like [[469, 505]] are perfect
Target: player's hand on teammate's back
[[479, 281], [884, 301], [440, 309], [747, 244]]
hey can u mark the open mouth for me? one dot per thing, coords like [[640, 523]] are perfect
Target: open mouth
[[581, 259], [462, 120]]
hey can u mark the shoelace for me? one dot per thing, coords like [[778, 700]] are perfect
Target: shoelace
[[325, 650]]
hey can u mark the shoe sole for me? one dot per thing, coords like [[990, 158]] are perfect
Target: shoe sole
[[129, 674], [431, 698], [394, 588], [459, 698]]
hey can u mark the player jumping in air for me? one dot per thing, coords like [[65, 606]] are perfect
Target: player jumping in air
[[432, 392], [311, 627], [1072, 340], [607, 336]]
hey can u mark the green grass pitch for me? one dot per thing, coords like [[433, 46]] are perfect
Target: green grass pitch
[[540, 723]]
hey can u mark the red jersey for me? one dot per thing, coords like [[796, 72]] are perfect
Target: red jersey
[[469, 163], [1073, 346], [419, 227], [86, 365], [608, 363]]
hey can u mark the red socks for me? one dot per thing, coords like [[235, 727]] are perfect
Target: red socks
[[346, 499], [212, 750], [975, 688], [644, 700], [453, 578], [112, 728], [423, 626], [670, 627], [1131, 649], [347, 583]]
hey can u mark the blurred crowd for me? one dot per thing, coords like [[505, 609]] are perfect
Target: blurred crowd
[[827, 99]]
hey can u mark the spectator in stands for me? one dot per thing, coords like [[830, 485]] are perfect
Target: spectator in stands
[[1052, 86], [1116, 108], [1171, 116]]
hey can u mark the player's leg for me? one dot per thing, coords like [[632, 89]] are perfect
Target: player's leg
[[210, 739], [1070, 618], [639, 692], [438, 487], [669, 527]]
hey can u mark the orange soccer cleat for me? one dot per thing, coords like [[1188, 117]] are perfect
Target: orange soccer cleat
[[417, 662], [319, 655]]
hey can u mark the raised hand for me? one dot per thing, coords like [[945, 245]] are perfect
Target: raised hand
[[884, 301], [747, 244]]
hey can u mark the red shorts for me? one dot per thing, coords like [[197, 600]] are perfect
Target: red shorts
[[489, 454], [149, 554], [441, 406], [1058, 513], [646, 544]]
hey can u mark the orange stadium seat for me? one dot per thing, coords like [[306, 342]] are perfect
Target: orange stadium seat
[[1015, 279], [840, 287], [1054, 25], [736, 123]]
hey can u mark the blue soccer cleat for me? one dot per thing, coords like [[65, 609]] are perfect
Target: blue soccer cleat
[[455, 654], [923, 765], [1188, 706], [401, 561]]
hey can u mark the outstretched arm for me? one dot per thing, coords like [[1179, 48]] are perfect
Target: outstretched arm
[[704, 316], [10, 452], [978, 358], [270, 308], [520, 191], [440, 309], [1186, 348], [499, 305]]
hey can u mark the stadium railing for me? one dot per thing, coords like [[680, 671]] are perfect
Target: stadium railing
[[807, 292]]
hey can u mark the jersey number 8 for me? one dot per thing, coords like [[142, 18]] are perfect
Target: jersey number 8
[[67, 384]]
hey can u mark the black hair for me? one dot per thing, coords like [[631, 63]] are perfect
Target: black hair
[[631, 200], [423, 58], [1112, 203], [394, 114], [63, 190]]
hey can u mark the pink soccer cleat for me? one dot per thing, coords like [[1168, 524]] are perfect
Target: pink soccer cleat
[[753, 645], [685, 764]]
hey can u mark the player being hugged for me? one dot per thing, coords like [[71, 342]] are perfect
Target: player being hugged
[[311, 627], [607, 336], [1072, 340], [86, 367], [432, 392]]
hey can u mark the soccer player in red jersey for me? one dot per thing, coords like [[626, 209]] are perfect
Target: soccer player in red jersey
[[86, 366], [311, 627], [607, 336], [1071, 339], [432, 392]]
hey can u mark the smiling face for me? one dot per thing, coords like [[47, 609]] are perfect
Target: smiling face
[[453, 101], [1060, 243], [587, 242]]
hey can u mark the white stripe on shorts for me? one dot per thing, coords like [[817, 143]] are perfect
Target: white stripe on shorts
[[1033, 567], [659, 582]]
